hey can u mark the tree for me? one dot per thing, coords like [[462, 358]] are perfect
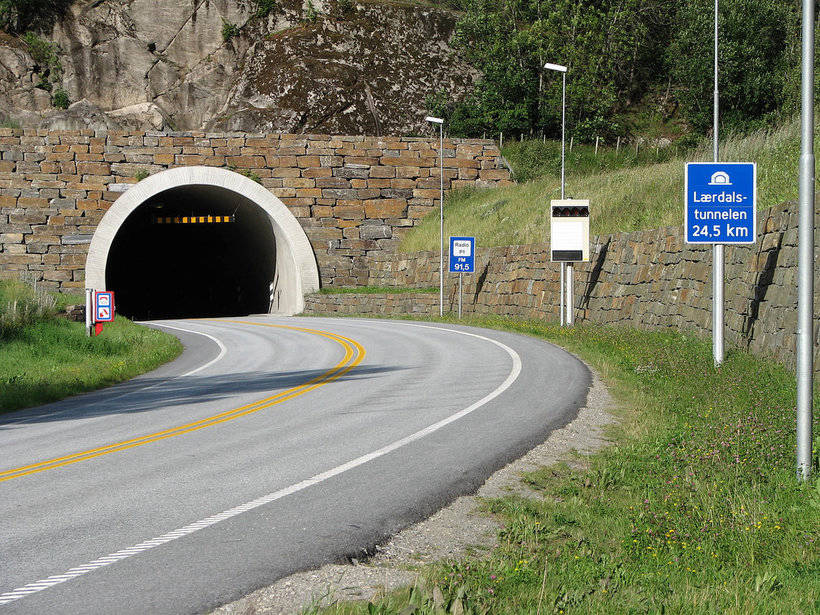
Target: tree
[[758, 55], [22, 15], [611, 47]]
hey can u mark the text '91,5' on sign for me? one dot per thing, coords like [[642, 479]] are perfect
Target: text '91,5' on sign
[[721, 202], [462, 254]]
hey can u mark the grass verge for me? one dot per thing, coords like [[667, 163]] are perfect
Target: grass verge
[[44, 358], [626, 192], [378, 290], [694, 509]]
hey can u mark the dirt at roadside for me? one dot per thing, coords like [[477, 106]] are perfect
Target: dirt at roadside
[[452, 532]]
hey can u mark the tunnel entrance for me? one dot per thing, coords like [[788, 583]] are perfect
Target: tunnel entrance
[[201, 242], [193, 251]]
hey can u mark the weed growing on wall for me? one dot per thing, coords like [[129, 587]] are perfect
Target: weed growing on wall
[[264, 7], [60, 99], [45, 54], [229, 30]]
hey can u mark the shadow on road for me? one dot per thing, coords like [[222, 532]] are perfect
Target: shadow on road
[[146, 394]]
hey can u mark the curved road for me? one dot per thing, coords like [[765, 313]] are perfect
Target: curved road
[[272, 445]]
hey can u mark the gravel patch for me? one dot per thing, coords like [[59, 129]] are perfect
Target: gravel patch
[[455, 531]]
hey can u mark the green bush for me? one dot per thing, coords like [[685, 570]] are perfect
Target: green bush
[[310, 12], [60, 99], [264, 7], [229, 30], [42, 52], [252, 176], [48, 67], [141, 174]]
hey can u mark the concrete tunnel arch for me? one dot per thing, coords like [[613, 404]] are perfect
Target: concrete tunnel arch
[[294, 270]]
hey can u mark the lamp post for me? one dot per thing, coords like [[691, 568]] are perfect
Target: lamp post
[[440, 122], [805, 241], [565, 279]]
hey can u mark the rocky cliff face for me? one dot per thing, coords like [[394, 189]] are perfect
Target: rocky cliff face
[[335, 66]]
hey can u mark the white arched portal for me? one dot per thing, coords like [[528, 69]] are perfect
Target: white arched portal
[[296, 269]]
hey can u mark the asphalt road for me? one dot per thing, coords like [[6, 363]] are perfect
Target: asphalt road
[[271, 446]]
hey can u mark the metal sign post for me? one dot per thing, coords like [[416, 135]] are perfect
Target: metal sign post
[[561, 308], [462, 260], [718, 273], [459, 295], [721, 208], [88, 307]]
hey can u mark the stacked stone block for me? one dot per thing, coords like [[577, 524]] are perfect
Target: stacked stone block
[[352, 195]]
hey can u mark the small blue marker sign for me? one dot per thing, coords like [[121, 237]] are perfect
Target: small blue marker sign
[[462, 254], [104, 306], [721, 202]]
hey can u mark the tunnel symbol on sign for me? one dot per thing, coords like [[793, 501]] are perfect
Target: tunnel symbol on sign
[[720, 178]]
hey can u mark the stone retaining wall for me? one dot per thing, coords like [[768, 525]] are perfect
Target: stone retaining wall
[[378, 304], [353, 195], [648, 279]]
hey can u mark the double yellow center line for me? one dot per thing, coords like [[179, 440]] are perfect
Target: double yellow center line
[[354, 354]]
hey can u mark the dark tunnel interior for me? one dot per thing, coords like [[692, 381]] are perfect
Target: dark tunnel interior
[[164, 265]]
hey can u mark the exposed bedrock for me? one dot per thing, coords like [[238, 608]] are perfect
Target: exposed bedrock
[[155, 65]]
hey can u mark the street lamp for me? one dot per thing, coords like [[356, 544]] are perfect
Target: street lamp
[[805, 242], [440, 122], [563, 70]]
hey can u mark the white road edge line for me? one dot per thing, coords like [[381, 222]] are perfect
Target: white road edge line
[[222, 352], [78, 571]]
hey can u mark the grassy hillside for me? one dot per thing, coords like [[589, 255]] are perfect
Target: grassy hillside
[[627, 192], [44, 358]]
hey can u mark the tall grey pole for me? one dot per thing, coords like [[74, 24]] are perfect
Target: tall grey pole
[[718, 274], [805, 275], [441, 222], [566, 272], [569, 294], [563, 126], [562, 69]]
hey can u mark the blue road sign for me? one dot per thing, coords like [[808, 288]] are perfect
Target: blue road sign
[[462, 254], [103, 306], [721, 202]]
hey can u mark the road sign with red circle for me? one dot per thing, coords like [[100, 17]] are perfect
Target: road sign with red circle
[[103, 306]]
